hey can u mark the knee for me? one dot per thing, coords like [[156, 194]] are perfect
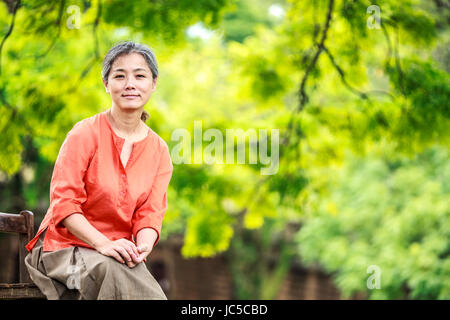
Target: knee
[[107, 267]]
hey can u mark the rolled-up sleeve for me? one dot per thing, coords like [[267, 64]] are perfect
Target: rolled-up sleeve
[[151, 213], [67, 188]]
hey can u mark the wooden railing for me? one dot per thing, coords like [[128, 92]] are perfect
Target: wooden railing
[[23, 224]]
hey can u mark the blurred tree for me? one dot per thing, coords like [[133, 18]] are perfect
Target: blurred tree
[[37, 37], [345, 85], [42, 94], [240, 20], [333, 79], [390, 213]]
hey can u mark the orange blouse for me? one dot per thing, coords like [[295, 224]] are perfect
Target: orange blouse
[[89, 178]]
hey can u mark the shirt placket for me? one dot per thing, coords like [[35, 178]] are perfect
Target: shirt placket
[[123, 188], [123, 181]]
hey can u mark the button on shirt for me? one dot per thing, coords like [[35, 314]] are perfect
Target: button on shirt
[[89, 178]]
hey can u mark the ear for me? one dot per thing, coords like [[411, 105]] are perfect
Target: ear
[[154, 83], [106, 86]]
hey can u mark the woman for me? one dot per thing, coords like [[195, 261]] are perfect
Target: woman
[[108, 194]]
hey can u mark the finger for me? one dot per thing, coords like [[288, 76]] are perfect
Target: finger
[[123, 252], [143, 248], [131, 264], [116, 256], [128, 248], [131, 247], [143, 256], [133, 251]]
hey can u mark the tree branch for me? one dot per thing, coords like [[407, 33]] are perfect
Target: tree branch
[[96, 57], [8, 33], [303, 97], [362, 95], [94, 29], [388, 40], [441, 4], [302, 93], [58, 23], [398, 65], [14, 114]]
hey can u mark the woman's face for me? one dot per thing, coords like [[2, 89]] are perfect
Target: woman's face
[[130, 81]]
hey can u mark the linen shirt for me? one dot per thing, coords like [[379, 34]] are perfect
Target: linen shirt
[[89, 178]]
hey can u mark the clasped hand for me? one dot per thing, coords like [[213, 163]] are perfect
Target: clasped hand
[[125, 251]]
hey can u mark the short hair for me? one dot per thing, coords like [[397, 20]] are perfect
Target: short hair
[[127, 47]]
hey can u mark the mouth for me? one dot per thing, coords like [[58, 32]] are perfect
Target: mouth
[[130, 96]]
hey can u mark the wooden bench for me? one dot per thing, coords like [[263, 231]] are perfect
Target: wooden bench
[[23, 224]]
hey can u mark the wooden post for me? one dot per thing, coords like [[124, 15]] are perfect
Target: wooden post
[[26, 237]]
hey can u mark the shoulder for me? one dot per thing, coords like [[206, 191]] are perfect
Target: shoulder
[[158, 142], [84, 133], [163, 150], [85, 127]]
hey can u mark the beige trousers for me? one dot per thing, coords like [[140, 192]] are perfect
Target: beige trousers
[[85, 274]]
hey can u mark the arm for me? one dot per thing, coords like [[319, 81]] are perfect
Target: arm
[[122, 250], [146, 236], [68, 193], [145, 241], [147, 219], [80, 227]]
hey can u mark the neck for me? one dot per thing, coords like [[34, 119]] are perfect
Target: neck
[[127, 122]]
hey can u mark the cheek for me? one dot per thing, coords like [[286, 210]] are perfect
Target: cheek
[[116, 89], [146, 88]]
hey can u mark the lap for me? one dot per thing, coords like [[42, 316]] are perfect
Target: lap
[[83, 273]]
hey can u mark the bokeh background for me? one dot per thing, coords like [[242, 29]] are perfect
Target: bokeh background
[[359, 90]]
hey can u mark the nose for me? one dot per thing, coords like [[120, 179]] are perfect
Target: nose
[[130, 84]]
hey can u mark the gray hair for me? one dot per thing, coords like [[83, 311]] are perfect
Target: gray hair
[[127, 47]]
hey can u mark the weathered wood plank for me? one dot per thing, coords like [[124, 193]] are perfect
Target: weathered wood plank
[[10, 291], [13, 223], [23, 224], [24, 239]]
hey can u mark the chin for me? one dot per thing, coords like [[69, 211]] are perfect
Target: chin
[[130, 106]]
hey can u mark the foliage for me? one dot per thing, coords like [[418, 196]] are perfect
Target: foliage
[[398, 222], [362, 112], [35, 53]]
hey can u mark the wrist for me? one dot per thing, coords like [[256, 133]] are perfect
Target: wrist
[[145, 246], [146, 236], [98, 243]]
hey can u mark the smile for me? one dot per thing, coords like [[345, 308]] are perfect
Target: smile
[[130, 96]]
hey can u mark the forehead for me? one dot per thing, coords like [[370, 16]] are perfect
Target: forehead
[[130, 61]]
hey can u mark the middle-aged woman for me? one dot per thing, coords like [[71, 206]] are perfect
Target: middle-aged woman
[[108, 193]]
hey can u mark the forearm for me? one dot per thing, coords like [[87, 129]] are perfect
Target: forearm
[[80, 227], [146, 236]]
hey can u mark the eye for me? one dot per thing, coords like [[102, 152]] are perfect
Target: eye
[[118, 76], [141, 75]]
